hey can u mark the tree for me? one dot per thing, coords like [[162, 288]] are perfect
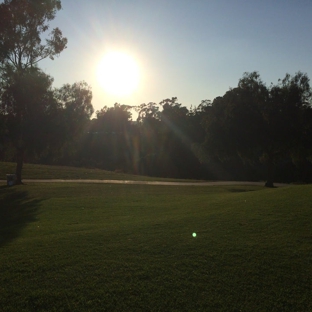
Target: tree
[[75, 108], [2, 134], [34, 89], [166, 139], [113, 119], [254, 120], [23, 23], [108, 142], [147, 112], [75, 101]]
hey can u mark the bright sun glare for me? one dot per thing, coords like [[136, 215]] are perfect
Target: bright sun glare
[[118, 73]]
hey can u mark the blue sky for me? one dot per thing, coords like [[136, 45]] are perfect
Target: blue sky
[[193, 49]]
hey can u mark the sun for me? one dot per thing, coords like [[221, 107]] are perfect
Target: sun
[[118, 73]]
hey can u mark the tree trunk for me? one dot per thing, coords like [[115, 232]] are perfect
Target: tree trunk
[[270, 176], [19, 165]]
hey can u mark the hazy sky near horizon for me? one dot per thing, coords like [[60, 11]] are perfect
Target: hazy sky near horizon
[[191, 49]]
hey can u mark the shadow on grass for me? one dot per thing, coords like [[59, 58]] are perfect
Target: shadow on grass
[[17, 209], [237, 190]]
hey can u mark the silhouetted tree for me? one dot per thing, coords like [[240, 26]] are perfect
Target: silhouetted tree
[[108, 141], [23, 24], [114, 119], [147, 112], [254, 120], [75, 109], [166, 140], [25, 124], [2, 134], [76, 103]]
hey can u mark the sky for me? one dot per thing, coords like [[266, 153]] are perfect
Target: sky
[[190, 49]]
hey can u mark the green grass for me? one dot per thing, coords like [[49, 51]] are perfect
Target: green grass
[[78, 247], [31, 171]]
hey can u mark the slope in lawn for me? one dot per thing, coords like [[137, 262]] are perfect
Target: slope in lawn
[[130, 248], [33, 171]]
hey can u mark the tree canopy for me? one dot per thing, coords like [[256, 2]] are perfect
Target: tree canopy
[[22, 26], [25, 90], [254, 120]]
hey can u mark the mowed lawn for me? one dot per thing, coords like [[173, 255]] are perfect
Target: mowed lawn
[[101, 247], [35, 171]]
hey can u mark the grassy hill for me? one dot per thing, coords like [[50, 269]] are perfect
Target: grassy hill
[[98, 247], [31, 171]]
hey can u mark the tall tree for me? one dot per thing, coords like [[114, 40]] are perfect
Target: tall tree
[[75, 101], [108, 143], [2, 133], [39, 111], [254, 120], [74, 112], [23, 24]]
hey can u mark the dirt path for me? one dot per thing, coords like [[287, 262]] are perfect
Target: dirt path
[[211, 183]]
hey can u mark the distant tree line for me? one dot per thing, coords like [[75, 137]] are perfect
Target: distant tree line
[[243, 135], [252, 132]]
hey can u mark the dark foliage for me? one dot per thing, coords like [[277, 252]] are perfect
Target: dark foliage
[[23, 24], [259, 122], [253, 132]]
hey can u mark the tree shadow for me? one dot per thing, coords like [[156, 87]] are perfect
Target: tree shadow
[[17, 209]]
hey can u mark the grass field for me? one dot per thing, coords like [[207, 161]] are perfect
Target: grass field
[[79, 247], [31, 171]]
